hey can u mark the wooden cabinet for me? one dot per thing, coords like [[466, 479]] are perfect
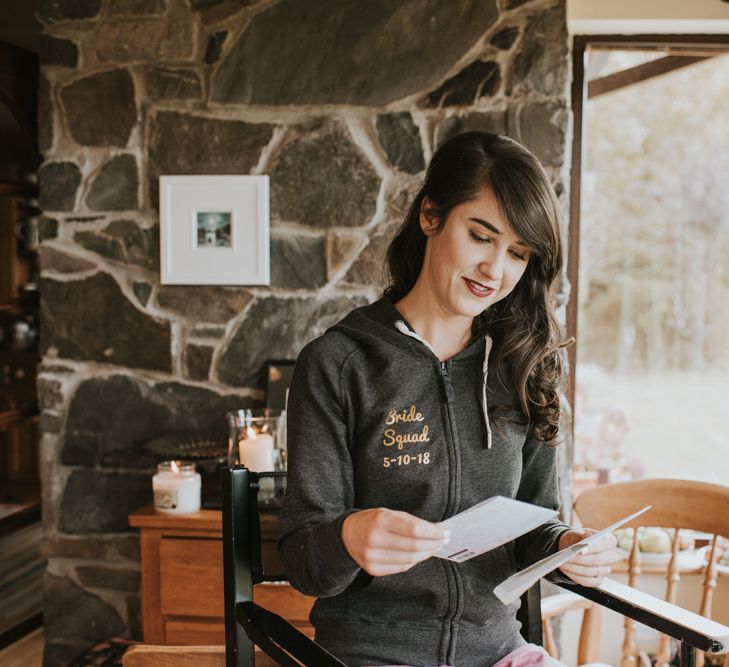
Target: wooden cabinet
[[182, 579]]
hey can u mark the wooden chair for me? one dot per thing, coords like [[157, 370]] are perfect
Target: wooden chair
[[248, 624], [676, 504]]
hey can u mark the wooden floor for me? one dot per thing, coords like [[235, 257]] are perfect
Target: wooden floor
[[26, 652]]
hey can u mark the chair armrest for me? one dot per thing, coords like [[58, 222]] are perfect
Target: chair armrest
[[281, 640], [697, 631], [561, 603], [141, 655]]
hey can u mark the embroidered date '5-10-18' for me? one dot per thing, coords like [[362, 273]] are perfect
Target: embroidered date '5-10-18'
[[393, 438]]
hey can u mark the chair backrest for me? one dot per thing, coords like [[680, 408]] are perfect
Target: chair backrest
[[251, 502], [676, 505]]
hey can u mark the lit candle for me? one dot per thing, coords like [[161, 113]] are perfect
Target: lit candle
[[176, 488], [256, 451]]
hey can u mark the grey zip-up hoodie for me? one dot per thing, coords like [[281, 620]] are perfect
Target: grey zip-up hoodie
[[376, 420]]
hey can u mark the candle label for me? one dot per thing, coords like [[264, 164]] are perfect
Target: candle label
[[165, 499]]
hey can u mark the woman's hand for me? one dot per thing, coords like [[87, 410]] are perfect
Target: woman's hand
[[589, 569], [383, 541]]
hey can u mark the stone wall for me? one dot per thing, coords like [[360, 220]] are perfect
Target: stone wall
[[342, 103]]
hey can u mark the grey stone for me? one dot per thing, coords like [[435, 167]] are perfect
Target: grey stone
[[142, 291], [204, 303], [50, 423], [58, 183], [52, 259], [136, 7], [124, 241], [298, 261], [116, 186], [51, 11], [198, 359], [50, 394], [370, 267], [295, 322], [85, 218], [101, 502], [45, 114], [134, 617], [540, 126], [340, 250], [108, 577], [321, 178], [92, 319], [540, 63], [214, 47], [488, 121], [207, 332], [184, 144], [478, 80], [400, 138], [504, 39], [100, 108], [374, 53], [60, 52], [63, 653], [107, 548], [48, 228], [166, 39], [110, 419], [172, 83], [72, 613]]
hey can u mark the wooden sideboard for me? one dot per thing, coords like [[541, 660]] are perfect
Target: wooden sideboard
[[182, 578]]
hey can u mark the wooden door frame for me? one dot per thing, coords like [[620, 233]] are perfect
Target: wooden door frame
[[688, 45]]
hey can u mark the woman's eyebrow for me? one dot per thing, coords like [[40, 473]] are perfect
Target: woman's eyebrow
[[495, 230]]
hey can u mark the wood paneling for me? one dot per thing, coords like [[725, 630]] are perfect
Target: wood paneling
[[191, 577], [191, 633]]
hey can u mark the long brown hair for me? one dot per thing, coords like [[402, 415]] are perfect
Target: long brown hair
[[526, 333]]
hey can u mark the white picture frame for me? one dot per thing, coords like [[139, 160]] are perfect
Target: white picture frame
[[214, 230]]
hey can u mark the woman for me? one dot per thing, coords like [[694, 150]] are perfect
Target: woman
[[441, 394]]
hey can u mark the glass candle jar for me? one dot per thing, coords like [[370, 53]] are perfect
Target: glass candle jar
[[253, 439], [176, 487]]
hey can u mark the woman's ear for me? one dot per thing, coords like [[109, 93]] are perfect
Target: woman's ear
[[428, 217]]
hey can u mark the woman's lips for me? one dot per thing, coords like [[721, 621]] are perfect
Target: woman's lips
[[477, 290]]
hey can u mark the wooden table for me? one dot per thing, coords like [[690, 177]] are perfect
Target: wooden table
[[182, 578]]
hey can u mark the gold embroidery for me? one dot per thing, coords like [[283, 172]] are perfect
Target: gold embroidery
[[392, 437], [411, 415]]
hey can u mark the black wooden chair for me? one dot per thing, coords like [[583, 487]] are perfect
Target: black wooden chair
[[248, 624]]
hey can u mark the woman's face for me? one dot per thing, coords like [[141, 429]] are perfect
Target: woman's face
[[476, 259]]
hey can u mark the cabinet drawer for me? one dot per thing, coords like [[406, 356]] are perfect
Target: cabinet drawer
[[191, 577], [194, 633], [285, 601]]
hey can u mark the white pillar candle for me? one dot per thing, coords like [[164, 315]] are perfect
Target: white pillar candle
[[176, 488], [256, 451]]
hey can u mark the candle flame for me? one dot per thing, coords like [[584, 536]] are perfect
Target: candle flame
[[174, 467]]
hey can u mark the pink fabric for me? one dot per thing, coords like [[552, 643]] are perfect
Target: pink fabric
[[527, 656]]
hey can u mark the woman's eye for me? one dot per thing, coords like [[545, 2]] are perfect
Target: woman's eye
[[480, 239], [519, 255]]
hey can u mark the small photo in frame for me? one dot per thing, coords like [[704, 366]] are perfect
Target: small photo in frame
[[214, 230]]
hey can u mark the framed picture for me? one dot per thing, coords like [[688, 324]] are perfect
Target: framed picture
[[214, 230], [278, 379]]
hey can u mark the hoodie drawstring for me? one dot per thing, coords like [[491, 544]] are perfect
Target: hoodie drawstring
[[403, 328]]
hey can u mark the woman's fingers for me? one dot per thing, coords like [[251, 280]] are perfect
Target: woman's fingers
[[411, 526], [589, 571], [387, 541]]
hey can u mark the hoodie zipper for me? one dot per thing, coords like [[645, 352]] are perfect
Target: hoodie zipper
[[456, 577]]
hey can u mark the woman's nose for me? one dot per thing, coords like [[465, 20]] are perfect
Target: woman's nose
[[493, 267]]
